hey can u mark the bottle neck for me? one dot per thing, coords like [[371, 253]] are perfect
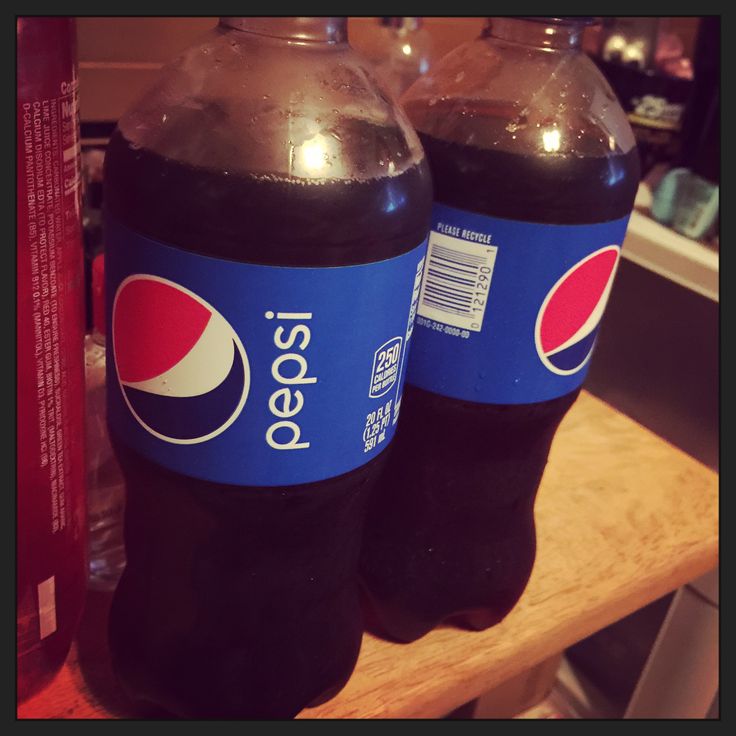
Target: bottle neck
[[545, 33], [404, 24], [320, 30]]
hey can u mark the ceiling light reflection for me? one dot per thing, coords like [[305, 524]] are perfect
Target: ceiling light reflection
[[551, 140]]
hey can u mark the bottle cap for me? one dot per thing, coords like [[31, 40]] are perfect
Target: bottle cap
[[581, 20], [409, 23], [319, 28]]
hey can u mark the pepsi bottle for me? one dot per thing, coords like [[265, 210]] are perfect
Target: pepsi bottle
[[535, 172], [267, 208]]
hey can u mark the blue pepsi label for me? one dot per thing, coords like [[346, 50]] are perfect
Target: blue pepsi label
[[255, 375], [509, 311]]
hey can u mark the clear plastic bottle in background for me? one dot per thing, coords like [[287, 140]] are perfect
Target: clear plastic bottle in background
[[105, 483], [51, 524], [535, 170], [401, 51], [266, 209], [92, 166]]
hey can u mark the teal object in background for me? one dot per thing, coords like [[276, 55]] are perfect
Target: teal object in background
[[697, 207], [686, 202], [664, 204]]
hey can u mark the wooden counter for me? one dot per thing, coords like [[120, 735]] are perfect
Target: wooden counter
[[623, 518]]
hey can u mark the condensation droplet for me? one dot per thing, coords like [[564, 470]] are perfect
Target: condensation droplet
[[519, 124]]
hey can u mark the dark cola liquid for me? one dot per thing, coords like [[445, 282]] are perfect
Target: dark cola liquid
[[450, 529], [242, 602]]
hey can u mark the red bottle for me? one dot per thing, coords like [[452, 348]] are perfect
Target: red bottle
[[51, 523]]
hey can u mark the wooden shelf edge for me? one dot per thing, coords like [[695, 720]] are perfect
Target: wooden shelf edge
[[671, 255]]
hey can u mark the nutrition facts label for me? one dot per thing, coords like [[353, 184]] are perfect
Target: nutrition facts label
[[386, 362], [376, 424], [49, 169]]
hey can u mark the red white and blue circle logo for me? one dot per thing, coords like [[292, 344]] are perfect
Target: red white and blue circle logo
[[568, 320], [182, 368]]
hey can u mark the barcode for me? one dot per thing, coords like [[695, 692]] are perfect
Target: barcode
[[457, 280], [47, 607]]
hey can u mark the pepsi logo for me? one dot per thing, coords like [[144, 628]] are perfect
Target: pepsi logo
[[568, 320], [182, 368]]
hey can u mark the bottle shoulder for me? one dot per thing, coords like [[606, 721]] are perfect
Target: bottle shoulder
[[244, 103], [508, 97]]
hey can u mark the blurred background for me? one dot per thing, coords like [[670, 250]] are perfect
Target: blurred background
[[657, 354]]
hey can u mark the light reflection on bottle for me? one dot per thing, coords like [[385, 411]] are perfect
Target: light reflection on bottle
[[551, 140], [317, 157]]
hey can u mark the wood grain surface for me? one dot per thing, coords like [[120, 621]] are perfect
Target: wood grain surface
[[623, 517]]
